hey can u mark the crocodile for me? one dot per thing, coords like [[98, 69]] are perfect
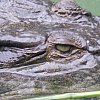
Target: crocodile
[[47, 48]]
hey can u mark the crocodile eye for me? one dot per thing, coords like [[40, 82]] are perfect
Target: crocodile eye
[[63, 47]]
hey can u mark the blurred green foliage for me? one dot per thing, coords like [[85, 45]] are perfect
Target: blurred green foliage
[[92, 6], [55, 1]]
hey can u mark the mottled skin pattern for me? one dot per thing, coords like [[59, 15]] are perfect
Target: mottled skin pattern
[[33, 34], [69, 9]]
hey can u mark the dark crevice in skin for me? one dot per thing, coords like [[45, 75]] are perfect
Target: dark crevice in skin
[[62, 13], [16, 44], [46, 38], [83, 63], [94, 52], [40, 71], [27, 60]]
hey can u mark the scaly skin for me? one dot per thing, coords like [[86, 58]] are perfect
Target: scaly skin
[[30, 62]]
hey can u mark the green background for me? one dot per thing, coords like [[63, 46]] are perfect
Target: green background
[[90, 5]]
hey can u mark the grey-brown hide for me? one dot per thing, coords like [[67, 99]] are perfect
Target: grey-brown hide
[[30, 62]]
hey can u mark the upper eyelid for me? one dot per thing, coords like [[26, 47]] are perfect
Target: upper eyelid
[[69, 38]]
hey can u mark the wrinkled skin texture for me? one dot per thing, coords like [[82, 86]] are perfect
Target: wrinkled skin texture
[[32, 33]]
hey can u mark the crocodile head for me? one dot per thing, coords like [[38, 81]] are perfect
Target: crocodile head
[[40, 57], [62, 45], [63, 59]]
